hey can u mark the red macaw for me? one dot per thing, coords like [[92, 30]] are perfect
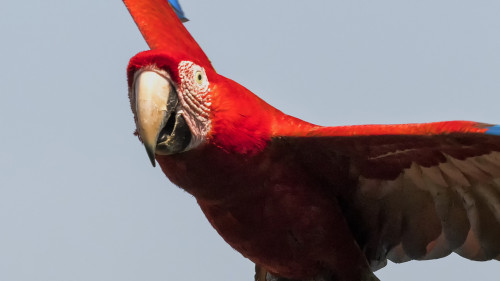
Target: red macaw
[[302, 201]]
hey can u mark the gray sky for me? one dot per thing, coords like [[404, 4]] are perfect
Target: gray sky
[[79, 199]]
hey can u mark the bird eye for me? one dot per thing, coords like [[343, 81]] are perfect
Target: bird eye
[[199, 77]]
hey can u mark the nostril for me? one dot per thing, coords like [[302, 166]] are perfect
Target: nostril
[[167, 129]]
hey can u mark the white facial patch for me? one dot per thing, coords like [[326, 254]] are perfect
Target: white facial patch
[[194, 95]]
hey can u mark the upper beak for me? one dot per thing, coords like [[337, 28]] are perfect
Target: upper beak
[[153, 92]]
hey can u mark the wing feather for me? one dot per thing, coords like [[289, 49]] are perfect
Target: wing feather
[[487, 164], [470, 170], [433, 175], [421, 224], [162, 29], [453, 174], [438, 248], [413, 194]]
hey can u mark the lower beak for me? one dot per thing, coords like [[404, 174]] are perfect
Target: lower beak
[[155, 99]]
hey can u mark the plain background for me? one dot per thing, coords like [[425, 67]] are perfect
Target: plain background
[[79, 199]]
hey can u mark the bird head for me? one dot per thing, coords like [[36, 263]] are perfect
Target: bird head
[[180, 103], [171, 102]]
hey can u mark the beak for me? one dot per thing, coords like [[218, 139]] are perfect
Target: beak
[[153, 103]]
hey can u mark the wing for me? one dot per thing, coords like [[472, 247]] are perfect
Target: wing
[[416, 191], [178, 10], [162, 29]]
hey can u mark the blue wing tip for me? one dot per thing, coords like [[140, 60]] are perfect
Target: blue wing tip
[[493, 130], [178, 10]]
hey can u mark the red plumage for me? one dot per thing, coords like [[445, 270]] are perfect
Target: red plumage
[[305, 201], [163, 30]]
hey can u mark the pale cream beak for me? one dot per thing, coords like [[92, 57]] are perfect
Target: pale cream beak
[[153, 92]]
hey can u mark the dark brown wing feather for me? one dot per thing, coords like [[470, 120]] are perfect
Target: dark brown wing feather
[[409, 196]]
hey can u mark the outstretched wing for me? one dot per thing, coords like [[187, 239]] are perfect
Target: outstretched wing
[[416, 191], [162, 29]]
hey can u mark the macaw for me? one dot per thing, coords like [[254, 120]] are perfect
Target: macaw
[[302, 201]]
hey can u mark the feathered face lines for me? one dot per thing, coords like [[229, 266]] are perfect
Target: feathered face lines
[[196, 101]]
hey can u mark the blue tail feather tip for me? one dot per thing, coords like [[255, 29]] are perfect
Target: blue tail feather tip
[[493, 130], [178, 10]]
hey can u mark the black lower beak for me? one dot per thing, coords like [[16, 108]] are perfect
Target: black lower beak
[[175, 136]]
